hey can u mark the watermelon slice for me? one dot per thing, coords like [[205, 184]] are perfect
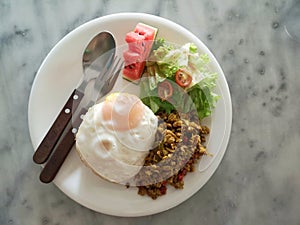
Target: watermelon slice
[[140, 42]]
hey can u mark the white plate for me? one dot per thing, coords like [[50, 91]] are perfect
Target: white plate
[[59, 74]]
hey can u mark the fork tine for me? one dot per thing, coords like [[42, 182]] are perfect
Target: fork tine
[[118, 66], [114, 72], [107, 67], [111, 71]]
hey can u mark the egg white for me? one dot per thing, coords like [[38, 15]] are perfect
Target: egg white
[[114, 155]]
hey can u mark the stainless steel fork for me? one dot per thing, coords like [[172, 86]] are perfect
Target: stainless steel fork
[[66, 142]]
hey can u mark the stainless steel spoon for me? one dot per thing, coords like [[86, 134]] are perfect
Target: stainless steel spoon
[[99, 45], [102, 86], [292, 21]]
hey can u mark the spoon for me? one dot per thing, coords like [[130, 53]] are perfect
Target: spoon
[[292, 21], [99, 45], [103, 85]]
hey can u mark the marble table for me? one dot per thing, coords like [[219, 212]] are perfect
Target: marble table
[[258, 181]]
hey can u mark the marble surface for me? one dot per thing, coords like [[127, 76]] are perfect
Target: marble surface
[[258, 181]]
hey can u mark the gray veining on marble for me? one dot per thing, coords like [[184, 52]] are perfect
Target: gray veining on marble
[[258, 181]]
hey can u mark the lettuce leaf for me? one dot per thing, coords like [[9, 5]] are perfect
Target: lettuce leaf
[[150, 98], [204, 98], [163, 63]]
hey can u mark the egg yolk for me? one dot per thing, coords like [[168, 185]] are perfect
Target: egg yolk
[[123, 111]]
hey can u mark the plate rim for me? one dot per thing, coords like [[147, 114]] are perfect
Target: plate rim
[[225, 86]]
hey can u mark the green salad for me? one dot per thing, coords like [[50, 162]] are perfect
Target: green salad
[[179, 79]]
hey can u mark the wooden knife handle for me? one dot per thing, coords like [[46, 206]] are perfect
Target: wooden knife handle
[[61, 150], [46, 146]]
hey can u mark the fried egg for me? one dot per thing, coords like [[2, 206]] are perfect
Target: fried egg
[[115, 136]]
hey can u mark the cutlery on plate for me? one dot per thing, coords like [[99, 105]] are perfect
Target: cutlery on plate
[[291, 21], [97, 49], [103, 84]]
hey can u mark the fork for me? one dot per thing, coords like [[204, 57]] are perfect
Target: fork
[[49, 141], [67, 139]]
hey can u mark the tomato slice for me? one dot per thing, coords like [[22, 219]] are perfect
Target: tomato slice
[[183, 78], [165, 90]]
